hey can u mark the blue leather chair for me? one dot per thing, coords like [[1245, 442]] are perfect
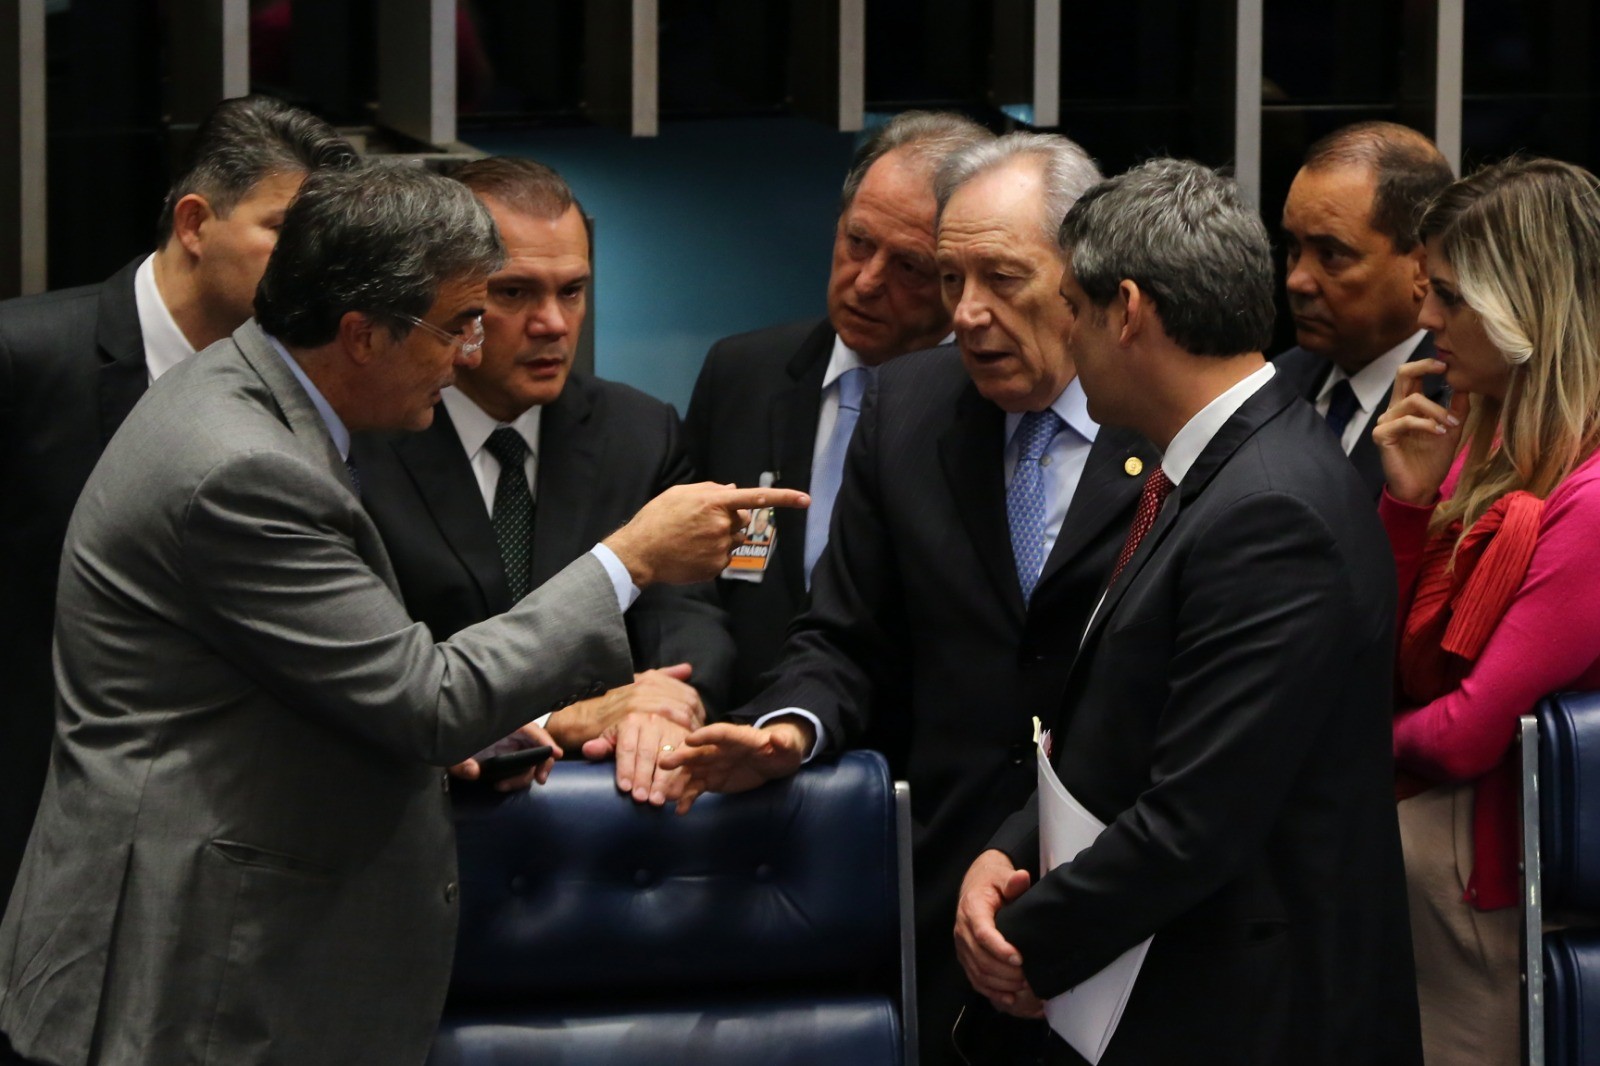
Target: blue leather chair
[[1561, 867], [768, 928]]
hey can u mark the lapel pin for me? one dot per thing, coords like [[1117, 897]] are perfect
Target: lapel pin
[[1134, 466]]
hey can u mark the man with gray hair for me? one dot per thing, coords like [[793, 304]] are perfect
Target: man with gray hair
[[245, 852], [777, 406], [74, 362], [1227, 715], [979, 515]]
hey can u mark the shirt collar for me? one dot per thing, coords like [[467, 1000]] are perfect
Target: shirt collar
[[165, 346], [844, 358], [1373, 382], [1073, 408], [474, 424], [330, 418], [1196, 433]]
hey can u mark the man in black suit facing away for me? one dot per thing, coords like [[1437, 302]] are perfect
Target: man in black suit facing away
[[767, 405], [528, 463], [73, 364], [980, 512], [1227, 717], [1357, 276]]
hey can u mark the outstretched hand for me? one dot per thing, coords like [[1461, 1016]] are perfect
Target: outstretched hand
[[688, 533], [724, 757]]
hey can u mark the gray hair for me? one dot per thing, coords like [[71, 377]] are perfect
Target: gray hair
[[247, 139], [1185, 236], [928, 137], [380, 240], [1068, 171]]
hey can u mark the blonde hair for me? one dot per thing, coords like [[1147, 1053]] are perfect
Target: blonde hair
[[1523, 238]]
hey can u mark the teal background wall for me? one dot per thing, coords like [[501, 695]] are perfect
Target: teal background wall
[[712, 228]]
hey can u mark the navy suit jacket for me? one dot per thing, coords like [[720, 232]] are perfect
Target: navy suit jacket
[[605, 449], [71, 368], [1228, 718], [1306, 372], [917, 639], [754, 411]]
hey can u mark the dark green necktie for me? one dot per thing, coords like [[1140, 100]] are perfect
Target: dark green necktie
[[513, 509]]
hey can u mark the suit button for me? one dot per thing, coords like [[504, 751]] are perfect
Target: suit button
[[1019, 753], [444, 781], [451, 892]]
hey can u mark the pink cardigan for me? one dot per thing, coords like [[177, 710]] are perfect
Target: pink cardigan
[[1549, 639]]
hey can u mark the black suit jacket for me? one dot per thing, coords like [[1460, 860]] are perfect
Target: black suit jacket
[[1228, 717], [917, 638], [1306, 372], [754, 411], [604, 450], [71, 368]]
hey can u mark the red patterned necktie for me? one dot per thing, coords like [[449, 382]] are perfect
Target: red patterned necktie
[[1156, 487]]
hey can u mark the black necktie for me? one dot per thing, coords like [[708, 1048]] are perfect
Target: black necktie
[[355, 478], [513, 509], [1341, 405]]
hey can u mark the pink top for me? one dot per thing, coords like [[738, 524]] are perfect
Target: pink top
[[1548, 640]]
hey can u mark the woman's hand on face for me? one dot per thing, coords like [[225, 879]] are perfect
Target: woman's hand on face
[[1417, 438]]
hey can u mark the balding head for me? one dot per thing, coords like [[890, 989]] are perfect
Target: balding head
[[1355, 272]]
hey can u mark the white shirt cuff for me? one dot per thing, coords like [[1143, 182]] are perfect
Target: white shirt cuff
[[621, 580], [800, 712]]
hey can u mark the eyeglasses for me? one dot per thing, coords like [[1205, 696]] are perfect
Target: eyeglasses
[[470, 338]]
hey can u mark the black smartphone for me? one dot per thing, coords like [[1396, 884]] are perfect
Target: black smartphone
[[499, 767]]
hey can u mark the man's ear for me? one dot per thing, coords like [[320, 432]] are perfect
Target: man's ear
[[1418, 261], [362, 339], [1133, 307], [189, 215]]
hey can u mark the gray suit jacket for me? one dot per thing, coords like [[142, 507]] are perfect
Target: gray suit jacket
[[244, 853]]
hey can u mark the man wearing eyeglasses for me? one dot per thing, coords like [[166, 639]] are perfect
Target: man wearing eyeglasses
[[528, 463], [244, 853]]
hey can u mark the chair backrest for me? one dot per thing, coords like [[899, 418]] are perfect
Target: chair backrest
[[1561, 875], [1569, 799], [576, 900]]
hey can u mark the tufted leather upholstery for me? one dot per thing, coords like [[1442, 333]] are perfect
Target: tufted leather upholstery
[[1572, 991], [759, 928], [1569, 800]]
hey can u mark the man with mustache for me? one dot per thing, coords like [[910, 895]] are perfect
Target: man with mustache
[[528, 463], [1357, 276]]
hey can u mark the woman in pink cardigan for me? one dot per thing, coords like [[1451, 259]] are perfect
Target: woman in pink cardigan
[[1493, 510]]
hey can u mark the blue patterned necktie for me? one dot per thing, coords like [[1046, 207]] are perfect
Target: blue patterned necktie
[[1025, 496], [513, 509], [853, 385]]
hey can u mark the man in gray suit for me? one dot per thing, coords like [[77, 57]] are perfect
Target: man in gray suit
[[244, 852]]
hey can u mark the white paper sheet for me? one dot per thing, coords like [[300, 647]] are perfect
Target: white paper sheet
[[1085, 1016]]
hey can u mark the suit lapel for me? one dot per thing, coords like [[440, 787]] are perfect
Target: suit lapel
[[1105, 493], [1267, 403], [569, 464], [1364, 456], [970, 452], [793, 421], [124, 375], [449, 490]]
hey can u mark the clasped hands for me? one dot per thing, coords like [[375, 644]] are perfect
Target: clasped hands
[[992, 965]]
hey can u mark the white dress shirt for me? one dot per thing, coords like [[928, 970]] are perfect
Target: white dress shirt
[[1371, 384], [165, 346], [474, 425]]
